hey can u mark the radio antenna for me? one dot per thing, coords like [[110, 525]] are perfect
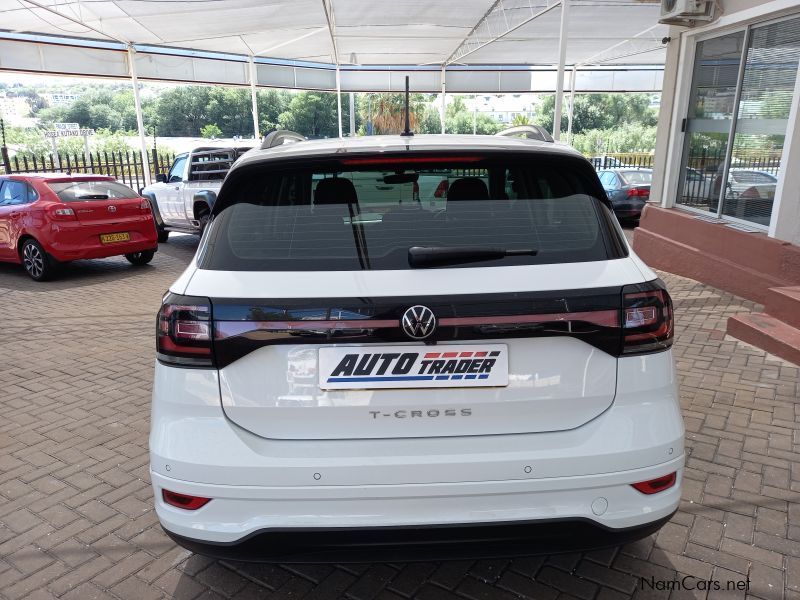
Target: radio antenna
[[407, 131]]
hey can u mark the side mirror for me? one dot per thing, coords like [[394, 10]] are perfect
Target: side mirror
[[161, 178]]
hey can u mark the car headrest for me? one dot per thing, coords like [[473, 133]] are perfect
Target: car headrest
[[335, 191], [467, 188]]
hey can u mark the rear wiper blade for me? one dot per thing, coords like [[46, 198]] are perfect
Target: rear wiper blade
[[93, 197], [431, 256]]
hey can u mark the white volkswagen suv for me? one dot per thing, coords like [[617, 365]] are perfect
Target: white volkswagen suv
[[352, 368]]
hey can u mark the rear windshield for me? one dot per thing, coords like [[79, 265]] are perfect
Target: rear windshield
[[354, 215], [76, 191], [637, 176]]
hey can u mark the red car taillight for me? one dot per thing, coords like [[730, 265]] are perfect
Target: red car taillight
[[62, 213], [647, 320], [184, 501], [144, 206], [183, 332], [639, 193], [441, 189], [659, 484]]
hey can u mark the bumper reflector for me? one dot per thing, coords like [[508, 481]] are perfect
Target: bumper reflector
[[656, 485], [184, 501]]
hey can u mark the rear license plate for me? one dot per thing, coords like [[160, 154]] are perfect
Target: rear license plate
[[382, 367], [110, 238]]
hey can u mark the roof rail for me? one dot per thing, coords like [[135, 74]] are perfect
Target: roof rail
[[530, 132], [280, 137]]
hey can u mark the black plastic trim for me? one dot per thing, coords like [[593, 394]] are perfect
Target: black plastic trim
[[418, 543], [364, 310]]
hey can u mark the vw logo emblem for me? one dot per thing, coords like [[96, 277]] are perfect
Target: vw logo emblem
[[418, 322], [112, 208]]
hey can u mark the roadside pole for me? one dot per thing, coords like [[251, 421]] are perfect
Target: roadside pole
[[4, 148]]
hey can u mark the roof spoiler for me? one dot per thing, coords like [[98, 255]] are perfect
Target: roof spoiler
[[531, 132], [280, 137]]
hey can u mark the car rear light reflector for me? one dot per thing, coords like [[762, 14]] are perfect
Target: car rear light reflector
[[184, 501], [144, 206], [647, 320], [63, 214], [659, 484], [183, 332], [638, 193]]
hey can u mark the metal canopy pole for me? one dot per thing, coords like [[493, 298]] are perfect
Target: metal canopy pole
[[352, 114], [571, 103], [339, 99], [139, 119], [254, 97], [444, 105], [562, 56], [328, 8]]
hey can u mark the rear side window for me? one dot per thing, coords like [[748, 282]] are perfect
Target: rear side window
[[15, 192], [636, 177], [355, 214], [76, 191]]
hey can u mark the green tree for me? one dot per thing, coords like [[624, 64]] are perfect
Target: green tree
[[182, 110], [271, 103], [313, 114], [521, 119], [387, 112], [211, 131], [231, 109], [598, 111]]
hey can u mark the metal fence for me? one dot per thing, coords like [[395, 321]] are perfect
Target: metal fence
[[125, 166]]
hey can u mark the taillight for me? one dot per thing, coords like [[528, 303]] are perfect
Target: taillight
[[441, 189], [63, 214], [639, 193], [183, 332], [144, 206], [659, 484], [184, 501], [647, 319]]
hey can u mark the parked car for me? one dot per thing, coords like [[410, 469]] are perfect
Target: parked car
[[697, 188], [628, 190], [344, 373], [749, 195], [182, 198], [50, 218]]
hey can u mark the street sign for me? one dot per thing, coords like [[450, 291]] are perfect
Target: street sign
[[63, 130], [56, 133]]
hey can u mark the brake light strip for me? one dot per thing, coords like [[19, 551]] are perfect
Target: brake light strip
[[228, 329]]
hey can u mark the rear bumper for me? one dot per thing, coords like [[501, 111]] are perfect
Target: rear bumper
[[260, 487], [475, 540], [76, 241]]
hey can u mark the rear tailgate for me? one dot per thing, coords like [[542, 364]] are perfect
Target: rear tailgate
[[552, 371], [99, 201]]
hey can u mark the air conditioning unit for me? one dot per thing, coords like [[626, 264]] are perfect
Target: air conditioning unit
[[686, 12]]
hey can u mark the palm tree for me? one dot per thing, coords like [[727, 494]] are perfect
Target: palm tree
[[387, 112], [521, 119]]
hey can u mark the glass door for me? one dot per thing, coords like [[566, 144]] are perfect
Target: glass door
[[742, 88], [760, 126], [712, 103]]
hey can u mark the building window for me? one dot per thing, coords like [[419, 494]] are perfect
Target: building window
[[741, 94]]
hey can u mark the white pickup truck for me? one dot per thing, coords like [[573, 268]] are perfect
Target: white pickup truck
[[182, 199]]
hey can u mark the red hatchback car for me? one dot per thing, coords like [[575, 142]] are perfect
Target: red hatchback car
[[46, 219]]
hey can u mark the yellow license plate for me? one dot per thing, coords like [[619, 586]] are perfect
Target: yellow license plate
[[110, 238]]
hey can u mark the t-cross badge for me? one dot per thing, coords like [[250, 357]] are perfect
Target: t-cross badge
[[414, 347]]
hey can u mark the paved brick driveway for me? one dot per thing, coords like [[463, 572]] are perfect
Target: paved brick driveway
[[75, 501]]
